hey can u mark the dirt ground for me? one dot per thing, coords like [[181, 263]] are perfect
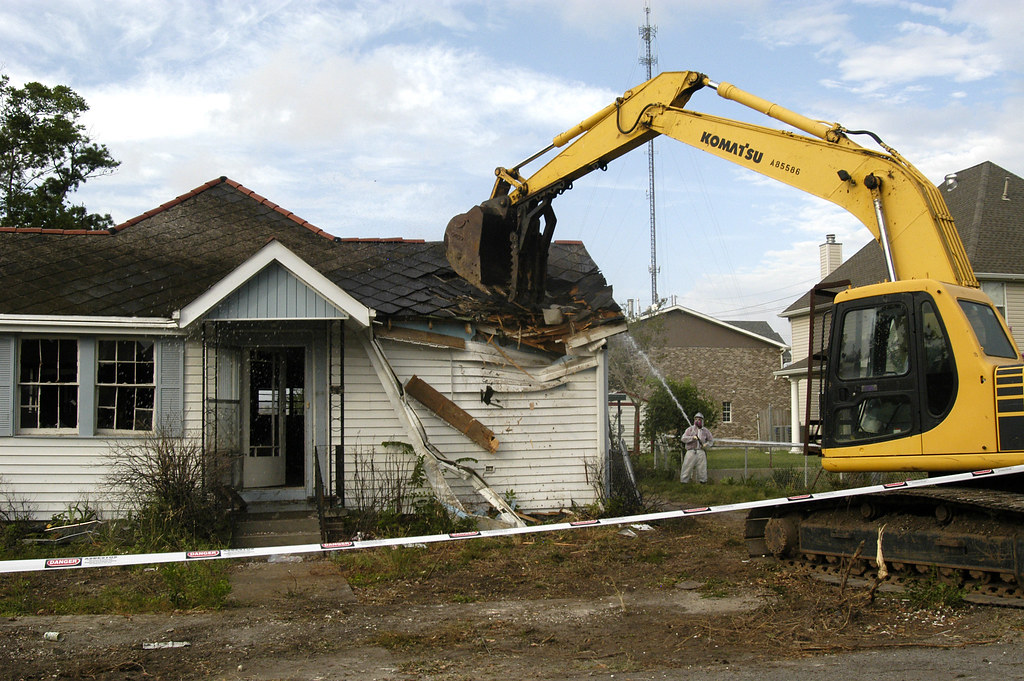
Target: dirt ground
[[679, 600]]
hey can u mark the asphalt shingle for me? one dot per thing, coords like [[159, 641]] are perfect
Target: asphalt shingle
[[160, 261]]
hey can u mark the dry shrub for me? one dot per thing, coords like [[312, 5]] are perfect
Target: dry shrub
[[169, 489]]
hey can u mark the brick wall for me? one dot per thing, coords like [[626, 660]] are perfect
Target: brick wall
[[742, 376]]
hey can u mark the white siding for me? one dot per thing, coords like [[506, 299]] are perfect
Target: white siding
[[50, 474], [548, 454], [194, 386], [628, 421]]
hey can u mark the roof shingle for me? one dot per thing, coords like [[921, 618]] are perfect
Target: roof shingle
[[160, 261]]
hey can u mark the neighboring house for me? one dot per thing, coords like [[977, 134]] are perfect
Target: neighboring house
[[987, 204], [731, 362], [222, 318]]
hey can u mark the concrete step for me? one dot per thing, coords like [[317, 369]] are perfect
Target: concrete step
[[252, 541], [276, 525], [250, 525]]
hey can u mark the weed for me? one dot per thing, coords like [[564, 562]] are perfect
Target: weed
[[510, 498], [391, 497], [715, 587], [202, 585], [11, 535], [17, 597], [654, 556], [78, 512], [13, 508], [473, 550], [932, 592], [367, 568]]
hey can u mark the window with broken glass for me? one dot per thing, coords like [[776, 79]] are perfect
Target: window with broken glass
[[48, 384], [125, 385]]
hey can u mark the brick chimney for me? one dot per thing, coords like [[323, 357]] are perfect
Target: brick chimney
[[830, 254]]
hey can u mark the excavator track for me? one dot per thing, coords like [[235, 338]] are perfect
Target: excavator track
[[966, 536]]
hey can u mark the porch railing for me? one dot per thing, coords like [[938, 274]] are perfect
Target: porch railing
[[320, 496]]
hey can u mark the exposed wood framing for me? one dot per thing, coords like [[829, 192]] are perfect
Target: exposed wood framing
[[399, 333], [434, 462], [538, 378], [593, 335], [454, 415]]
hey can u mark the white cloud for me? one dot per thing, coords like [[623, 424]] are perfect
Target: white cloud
[[828, 29], [155, 111], [920, 52]]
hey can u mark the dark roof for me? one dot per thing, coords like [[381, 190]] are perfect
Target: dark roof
[[761, 328], [160, 261], [991, 227]]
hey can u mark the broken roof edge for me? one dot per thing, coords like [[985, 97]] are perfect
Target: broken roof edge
[[223, 179], [275, 251]]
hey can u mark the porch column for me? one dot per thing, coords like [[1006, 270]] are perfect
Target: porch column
[[794, 412]]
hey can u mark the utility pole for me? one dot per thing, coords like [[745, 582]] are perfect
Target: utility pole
[[647, 33]]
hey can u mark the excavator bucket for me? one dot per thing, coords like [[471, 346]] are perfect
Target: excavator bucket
[[478, 247], [501, 249]]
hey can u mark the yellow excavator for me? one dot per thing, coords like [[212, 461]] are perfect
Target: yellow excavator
[[920, 372]]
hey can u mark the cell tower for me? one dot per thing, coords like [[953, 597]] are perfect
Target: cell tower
[[647, 33]]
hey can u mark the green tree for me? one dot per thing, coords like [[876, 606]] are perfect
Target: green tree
[[663, 415], [45, 155]]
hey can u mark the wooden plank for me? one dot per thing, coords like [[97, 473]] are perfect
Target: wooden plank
[[399, 333], [452, 413]]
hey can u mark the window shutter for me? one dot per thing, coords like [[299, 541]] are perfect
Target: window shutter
[[171, 386], [7, 386]]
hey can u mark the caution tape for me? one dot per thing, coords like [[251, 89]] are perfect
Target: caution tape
[[65, 563]]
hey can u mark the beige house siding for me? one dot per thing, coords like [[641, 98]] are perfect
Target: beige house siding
[[799, 329]]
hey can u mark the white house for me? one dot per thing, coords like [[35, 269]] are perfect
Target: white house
[[223, 318]]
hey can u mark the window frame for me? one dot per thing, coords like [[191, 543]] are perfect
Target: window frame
[[20, 384], [982, 325], [100, 385], [727, 412], [996, 290]]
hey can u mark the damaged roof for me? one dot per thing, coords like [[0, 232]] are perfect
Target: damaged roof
[[987, 205], [158, 262]]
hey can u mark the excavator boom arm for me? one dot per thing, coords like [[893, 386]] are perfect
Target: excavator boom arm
[[503, 245]]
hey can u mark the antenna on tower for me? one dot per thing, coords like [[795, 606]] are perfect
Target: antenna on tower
[[648, 59]]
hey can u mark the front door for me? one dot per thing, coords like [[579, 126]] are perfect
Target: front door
[[275, 428]]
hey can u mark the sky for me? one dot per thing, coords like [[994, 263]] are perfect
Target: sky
[[386, 118]]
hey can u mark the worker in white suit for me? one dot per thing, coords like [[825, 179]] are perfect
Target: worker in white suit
[[697, 439]]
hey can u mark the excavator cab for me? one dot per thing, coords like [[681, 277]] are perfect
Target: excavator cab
[[909, 377]]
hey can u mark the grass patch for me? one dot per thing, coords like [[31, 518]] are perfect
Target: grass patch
[[785, 476], [382, 566], [931, 592], [186, 586], [715, 587]]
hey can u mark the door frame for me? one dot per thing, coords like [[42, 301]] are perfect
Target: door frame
[[308, 437]]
